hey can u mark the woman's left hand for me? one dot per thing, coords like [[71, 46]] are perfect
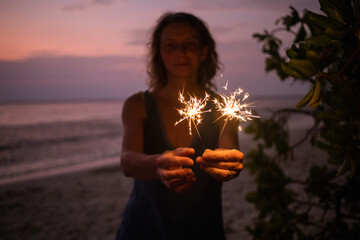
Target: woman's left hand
[[221, 164]]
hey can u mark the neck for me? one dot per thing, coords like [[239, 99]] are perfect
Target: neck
[[184, 85], [170, 92]]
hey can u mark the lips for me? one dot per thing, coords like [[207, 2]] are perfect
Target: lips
[[185, 64]]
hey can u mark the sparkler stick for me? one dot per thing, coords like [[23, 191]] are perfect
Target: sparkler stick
[[193, 110], [234, 107]]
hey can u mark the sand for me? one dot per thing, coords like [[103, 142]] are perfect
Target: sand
[[88, 203]]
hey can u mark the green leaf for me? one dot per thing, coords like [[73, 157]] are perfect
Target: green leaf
[[321, 21], [336, 34], [332, 10], [306, 99], [314, 58], [344, 167], [292, 54], [290, 20], [260, 37], [291, 71], [303, 66], [295, 52], [301, 34], [322, 40], [270, 64]]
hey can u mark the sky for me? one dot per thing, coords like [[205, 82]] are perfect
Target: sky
[[96, 49]]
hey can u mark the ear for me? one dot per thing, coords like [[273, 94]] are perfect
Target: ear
[[204, 53]]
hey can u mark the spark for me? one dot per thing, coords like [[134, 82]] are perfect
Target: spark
[[193, 110], [225, 87], [234, 107]]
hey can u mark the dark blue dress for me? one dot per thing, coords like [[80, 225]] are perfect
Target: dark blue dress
[[155, 212]]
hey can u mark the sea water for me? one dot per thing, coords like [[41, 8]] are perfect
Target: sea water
[[38, 137], [42, 136]]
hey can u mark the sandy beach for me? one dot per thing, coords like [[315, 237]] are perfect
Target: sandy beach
[[88, 203]]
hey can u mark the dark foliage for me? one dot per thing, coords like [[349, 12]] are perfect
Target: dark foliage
[[325, 53]]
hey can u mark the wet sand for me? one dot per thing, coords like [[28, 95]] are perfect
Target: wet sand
[[88, 203]]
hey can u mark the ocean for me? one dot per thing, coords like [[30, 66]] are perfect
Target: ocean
[[44, 137], [40, 137]]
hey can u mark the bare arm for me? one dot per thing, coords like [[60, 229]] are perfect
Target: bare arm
[[134, 162], [167, 167]]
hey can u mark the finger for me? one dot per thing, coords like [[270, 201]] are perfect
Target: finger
[[220, 174], [185, 187], [232, 155], [226, 154], [170, 161], [167, 175], [184, 152], [234, 166], [177, 183]]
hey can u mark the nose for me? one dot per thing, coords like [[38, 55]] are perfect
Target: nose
[[180, 49]]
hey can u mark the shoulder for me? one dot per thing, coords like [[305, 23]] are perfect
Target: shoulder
[[134, 106], [135, 100]]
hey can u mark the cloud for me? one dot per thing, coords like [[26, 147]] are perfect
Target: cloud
[[71, 78], [103, 2], [229, 5], [74, 7], [218, 30], [260, 5], [68, 77], [139, 36], [244, 67], [82, 5]]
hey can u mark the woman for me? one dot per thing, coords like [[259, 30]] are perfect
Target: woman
[[177, 185]]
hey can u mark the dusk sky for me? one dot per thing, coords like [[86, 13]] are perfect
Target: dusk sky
[[95, 49]]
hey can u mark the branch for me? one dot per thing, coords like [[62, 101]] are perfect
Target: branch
[[350, 60], [312, 204], [324, 214], [350, 216], [301, 182], [281, 29], [296, 111], [307, 134], [352, 93], [340, 80], [292, 110]]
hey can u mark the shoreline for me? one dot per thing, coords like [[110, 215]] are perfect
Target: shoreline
[[67, 169], [87, 202]]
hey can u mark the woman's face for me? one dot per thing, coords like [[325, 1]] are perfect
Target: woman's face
[[181, 50]]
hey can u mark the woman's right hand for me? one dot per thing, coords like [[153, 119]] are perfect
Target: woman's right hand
[[171, 172]]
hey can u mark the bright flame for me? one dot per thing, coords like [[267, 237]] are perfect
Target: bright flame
[[234, 107], [193, 110]]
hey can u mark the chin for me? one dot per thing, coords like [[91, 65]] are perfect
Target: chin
[[185, 73]]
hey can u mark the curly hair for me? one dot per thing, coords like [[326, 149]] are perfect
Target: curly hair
[[156, 69]]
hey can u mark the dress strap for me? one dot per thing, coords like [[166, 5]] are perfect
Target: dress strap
[[146, 97]]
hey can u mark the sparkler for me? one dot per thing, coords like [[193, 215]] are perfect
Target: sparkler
[[193, 110], [234, 107]]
